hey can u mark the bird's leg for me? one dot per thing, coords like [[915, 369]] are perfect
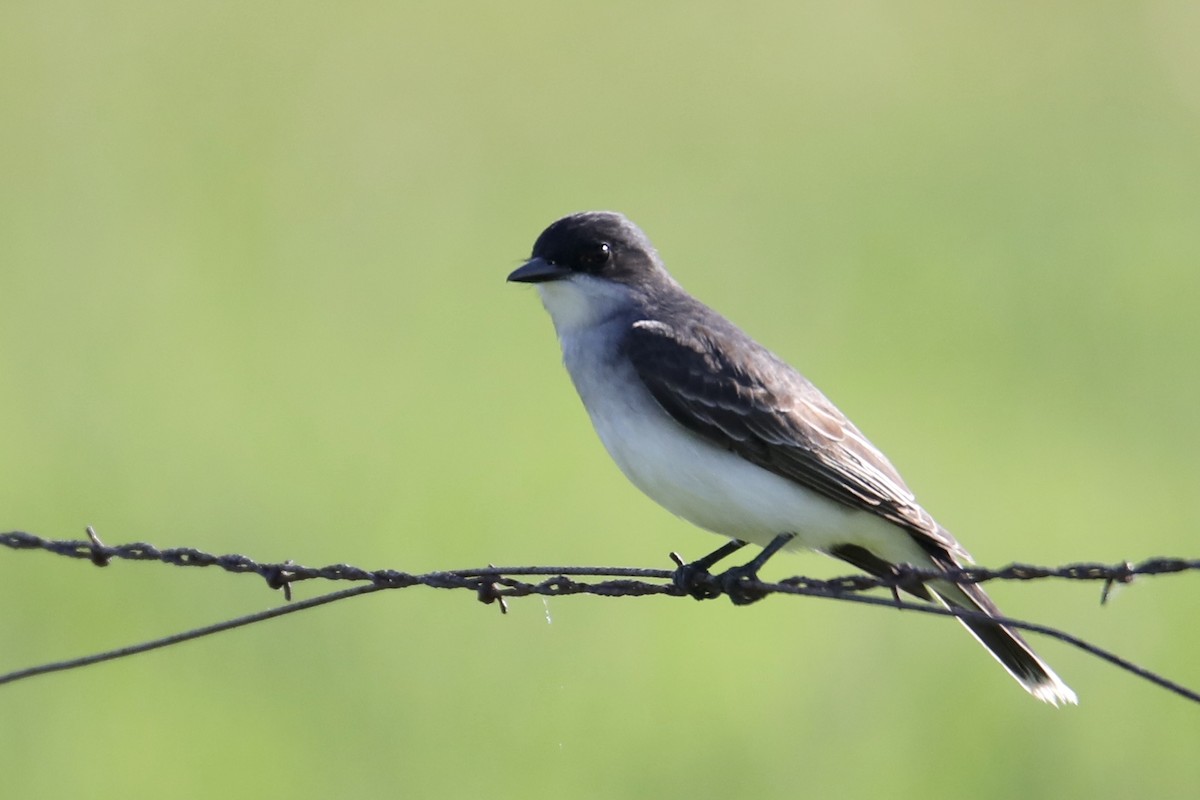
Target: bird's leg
[[733, 580], [695, 579]]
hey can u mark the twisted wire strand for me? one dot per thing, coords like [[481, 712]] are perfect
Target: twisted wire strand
[[494, 584]]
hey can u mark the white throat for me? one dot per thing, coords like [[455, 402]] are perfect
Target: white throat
[[581, 302]]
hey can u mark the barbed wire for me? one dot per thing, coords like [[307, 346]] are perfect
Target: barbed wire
[[493, 584]]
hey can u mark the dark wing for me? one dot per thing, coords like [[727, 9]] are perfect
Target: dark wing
[[745, 399]]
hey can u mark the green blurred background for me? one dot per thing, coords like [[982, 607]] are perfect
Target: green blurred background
[[252, 299]]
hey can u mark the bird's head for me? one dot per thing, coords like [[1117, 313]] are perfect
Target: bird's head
[[589, 265]]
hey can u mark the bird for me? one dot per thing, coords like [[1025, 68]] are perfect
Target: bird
[[723, 433]]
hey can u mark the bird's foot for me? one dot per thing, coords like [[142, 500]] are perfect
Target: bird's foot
[[694, 579], [741, 584]]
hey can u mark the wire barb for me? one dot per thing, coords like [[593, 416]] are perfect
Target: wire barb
[[488, 592], [1125, 575], [98, 556]]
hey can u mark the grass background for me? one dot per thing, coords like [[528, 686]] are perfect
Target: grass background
[[252, 300]]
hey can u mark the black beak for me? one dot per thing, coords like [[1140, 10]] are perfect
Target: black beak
[[537, 270]]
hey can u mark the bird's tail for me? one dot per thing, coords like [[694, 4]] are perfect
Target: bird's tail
[[1004, 643]]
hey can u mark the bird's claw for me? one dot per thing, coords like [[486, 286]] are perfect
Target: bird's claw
[[695, 580], [739, 584]]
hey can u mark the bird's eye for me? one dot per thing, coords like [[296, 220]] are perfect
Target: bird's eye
[[596, 256]]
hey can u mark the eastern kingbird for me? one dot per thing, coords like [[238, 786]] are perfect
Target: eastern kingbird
[[720, 431]]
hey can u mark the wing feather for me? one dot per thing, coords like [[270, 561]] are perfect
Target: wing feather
[[747, 400]]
